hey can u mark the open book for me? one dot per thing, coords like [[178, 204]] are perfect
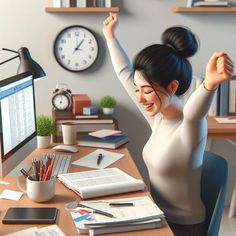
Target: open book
[[101, 182], [143, 214]]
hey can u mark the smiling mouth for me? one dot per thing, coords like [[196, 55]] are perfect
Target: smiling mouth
[[148, 106]]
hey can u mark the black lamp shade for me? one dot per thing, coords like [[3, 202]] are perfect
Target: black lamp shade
[[28, 64]]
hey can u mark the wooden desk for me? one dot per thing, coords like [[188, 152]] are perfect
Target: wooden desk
[[220, 131], [64, 195], [223, 131]]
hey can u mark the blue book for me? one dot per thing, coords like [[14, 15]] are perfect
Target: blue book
[[111, 142], [224, 98]]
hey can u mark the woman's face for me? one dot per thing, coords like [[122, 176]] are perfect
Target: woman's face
[[153, 101]]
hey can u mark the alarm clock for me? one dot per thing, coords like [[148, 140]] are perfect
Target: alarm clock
[[62, 97], [76, 48]]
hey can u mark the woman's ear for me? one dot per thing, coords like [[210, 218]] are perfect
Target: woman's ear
[[173, 86]]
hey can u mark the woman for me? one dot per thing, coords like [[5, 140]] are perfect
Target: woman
[[174, 152]]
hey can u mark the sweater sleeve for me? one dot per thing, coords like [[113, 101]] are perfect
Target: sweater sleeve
[[194, 128], [125, 73]]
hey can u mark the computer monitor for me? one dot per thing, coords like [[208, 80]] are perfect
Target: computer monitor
[[17, 121]]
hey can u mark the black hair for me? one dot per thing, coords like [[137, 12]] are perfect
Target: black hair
[[163, 63]]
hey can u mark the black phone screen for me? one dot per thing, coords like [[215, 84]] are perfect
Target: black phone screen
[[30, 215]]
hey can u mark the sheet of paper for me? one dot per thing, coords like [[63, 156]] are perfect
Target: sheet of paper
[[90, 160], [11, 195], [52, 230], [104, 133], [225, 120], [25, 232]]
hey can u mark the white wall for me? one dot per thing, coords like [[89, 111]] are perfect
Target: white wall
[[25, 23]]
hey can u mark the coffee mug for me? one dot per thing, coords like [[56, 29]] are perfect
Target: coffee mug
[[38, 191], [69, 132]]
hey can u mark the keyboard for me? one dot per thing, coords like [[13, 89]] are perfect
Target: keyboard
[[62, 163]]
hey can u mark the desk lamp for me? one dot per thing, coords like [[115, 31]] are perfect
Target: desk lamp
[[26, 63]]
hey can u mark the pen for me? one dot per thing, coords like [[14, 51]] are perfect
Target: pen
[[26, 175], [96, 210], [100, 157], [121, 204]]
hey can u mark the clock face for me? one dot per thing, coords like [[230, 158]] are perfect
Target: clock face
[[61, 101], [76, 48]]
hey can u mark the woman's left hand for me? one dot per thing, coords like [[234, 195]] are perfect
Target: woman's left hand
[[219, 68]]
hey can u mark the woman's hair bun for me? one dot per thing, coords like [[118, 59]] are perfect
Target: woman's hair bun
[[181, 39]]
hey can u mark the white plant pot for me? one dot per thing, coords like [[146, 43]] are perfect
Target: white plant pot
[[43, 141], [108, 111]]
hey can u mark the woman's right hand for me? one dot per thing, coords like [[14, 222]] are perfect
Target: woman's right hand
[[109, 24]]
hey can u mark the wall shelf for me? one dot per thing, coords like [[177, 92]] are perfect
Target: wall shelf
[[204, 10], [81, 9]]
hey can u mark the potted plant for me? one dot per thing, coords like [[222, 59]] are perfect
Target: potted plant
[[45, 128], [108, 104]]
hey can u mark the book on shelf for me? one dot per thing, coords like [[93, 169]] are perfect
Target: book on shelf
[[100, 3], [73, 3], [232, 95], [111, 142], [102, 182], [108, 3], [81, 3], [142, 214], [223, 98], [65, 3], [190, 3], [86, 116], [57, 3], [211, 4]]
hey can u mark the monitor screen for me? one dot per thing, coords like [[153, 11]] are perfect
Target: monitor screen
[[17, 117]]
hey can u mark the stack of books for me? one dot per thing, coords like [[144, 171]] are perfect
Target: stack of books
[[126, 214], [207, 3], [104, 138], [210, 3]]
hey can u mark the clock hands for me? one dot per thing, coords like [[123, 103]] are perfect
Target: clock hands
[[78, 46]]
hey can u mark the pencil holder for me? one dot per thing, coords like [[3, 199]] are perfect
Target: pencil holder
[[38, 191]]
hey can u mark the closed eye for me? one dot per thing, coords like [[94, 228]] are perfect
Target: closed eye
[[148, 92]]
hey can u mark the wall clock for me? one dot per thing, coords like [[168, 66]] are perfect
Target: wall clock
[[76, 48]]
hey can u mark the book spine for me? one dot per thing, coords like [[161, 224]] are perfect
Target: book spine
[[224, 98], [232, 96], [100, 3], [73, 3], [189, 3], [81, 3], [65, 3], [108, 3], [57, 3]]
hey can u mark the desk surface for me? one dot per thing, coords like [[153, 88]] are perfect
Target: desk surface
[[64, 195], [220, 131]]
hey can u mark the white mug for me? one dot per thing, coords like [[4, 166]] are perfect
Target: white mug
[[69, 133], [38, 191]]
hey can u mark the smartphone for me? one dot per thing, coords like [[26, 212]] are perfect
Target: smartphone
[[30, 215]]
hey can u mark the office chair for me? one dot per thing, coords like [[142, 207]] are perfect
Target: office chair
[[214, 189]]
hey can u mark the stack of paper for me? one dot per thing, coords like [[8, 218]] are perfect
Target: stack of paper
[[143, 214], [104, 138]]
